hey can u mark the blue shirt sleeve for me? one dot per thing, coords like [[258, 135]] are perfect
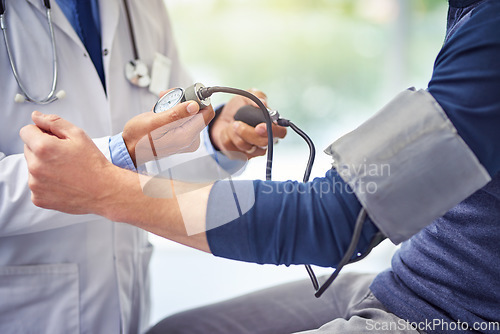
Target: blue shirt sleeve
[[119, 153], [121, 158], [291, 223], [466, 83]]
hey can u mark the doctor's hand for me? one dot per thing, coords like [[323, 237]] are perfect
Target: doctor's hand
[[239, 140], [177, 130], [67, 171]]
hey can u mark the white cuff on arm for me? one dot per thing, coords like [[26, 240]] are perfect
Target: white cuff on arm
[[407, 165], [103, 146]]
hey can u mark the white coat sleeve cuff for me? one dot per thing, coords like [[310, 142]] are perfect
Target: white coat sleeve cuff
[[103, 146]]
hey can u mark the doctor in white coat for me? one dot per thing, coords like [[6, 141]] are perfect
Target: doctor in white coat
[[67, 273]]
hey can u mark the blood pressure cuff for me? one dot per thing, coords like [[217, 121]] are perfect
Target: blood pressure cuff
[[407, 165]]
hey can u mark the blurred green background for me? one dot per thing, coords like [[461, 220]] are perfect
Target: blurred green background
[[319, 61], [327, 65]]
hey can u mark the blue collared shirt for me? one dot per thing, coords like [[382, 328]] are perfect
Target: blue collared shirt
[[68, 8], [87, 28]]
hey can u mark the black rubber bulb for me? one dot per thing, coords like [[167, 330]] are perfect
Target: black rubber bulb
[[250, 115]]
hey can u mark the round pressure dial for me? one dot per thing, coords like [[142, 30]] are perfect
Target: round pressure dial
[[169, 100]]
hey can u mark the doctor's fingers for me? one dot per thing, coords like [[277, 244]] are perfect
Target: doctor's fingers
[[241, 144], [180, 114], [168, 148], [232, 107], [278, 131], [180, 131], [41, 143], [37, 168], [55, 125], [38, 193], [260, 94], [258, 135]]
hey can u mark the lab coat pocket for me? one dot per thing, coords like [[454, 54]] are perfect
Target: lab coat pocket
[[39, 299]]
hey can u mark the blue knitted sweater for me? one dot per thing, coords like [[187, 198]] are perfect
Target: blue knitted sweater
[[446, 279]]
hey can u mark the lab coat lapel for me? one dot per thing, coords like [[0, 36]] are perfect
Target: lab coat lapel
[[110, 13], [59, 20]]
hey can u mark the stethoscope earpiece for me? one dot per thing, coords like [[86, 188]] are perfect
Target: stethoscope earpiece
[[61, 94], [19, 98]]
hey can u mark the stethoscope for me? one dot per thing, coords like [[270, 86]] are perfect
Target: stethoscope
[[25, 96], [136, 71]]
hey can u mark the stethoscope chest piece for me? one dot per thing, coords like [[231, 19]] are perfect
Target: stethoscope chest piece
[[137, 73]]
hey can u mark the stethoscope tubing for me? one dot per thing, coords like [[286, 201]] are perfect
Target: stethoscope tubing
[[50, 97], [131, 29]]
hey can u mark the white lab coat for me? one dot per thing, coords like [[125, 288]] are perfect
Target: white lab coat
[[62, 273]]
